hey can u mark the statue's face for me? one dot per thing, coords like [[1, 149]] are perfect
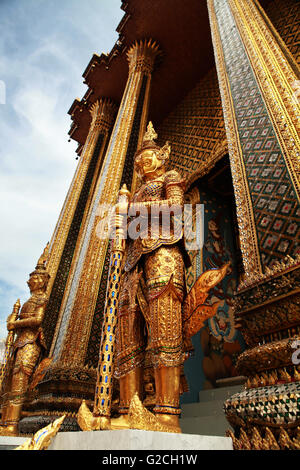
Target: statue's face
[[148, 162], [36, 282]]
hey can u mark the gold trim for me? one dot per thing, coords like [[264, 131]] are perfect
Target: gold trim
[[290, 57]]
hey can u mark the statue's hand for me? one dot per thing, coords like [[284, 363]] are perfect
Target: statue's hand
[[118, 217], [122, 207], [11, 325], [10, 318]]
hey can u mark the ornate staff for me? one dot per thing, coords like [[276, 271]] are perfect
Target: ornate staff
[[103, 393], [9, 341]]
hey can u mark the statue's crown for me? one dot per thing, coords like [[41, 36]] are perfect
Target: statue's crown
[[150, 134], [149, 143], [40, 267]]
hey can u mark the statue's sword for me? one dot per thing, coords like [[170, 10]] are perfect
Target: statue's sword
[[105, 370], [9, 342]]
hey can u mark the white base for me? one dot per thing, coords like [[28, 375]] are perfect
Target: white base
[[10, 442], [137, 440]]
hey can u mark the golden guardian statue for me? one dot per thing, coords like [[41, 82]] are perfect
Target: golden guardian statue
[[26, 348], [154, 317]]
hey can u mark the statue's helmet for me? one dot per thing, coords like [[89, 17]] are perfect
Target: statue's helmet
[[40, 268], [162, 153]]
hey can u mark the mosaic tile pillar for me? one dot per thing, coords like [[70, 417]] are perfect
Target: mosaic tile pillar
[[73, 330], [261, 115], [262, 124], [69, 228], [128, 178], [67, 237], [70, 378]]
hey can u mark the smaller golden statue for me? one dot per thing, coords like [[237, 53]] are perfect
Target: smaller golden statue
[[26, 349]]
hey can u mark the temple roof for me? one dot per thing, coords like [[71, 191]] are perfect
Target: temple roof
[[181, 28]]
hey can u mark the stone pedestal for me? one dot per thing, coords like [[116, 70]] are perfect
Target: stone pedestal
[[10, 443], [137, 440]]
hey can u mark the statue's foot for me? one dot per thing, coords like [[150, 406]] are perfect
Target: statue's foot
[[141, 418], [88, 422], [120, 423], [9, 431], [171, 422]]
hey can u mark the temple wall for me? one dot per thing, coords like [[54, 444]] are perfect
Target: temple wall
[[195, 128]]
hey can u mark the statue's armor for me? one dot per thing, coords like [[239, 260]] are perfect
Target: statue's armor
[[26, 348], [155, 192], [152, 289], [30, 340]]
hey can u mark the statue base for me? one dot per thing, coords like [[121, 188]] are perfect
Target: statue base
[[132, 439], [10, 442]]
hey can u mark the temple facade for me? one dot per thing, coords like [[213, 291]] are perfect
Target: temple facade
[[220, 81]]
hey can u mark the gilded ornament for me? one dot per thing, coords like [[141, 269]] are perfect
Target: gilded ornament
[[42, 438], [27, 347]]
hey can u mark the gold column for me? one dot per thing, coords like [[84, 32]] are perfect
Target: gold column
[[274, 78], [102, 113], [73, 331], [67, 236]]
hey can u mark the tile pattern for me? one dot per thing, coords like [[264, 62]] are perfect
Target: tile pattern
[[275, 205], [57, 292], [279, 404], [133, 141], [285, 16], [196, 126]]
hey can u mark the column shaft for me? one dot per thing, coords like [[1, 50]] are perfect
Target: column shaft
[[68, 232], [76, 321]]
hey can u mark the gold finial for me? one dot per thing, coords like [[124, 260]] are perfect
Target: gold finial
[[124, 191], [15, 311], [150, 134], [41, 264], [43, 258], [17, 305], [124, 194]]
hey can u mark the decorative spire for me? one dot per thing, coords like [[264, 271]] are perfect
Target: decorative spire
[[41, 264], [43, 258], [17, 306]]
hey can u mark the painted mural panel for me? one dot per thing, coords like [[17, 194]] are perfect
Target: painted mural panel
[[218, 344]]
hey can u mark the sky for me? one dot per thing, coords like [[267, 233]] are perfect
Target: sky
[[45, 46]]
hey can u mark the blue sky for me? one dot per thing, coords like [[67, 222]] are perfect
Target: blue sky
[[45, 46]]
